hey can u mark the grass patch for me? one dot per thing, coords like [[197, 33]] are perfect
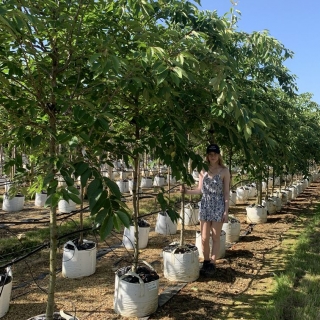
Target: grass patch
[[297, 292]]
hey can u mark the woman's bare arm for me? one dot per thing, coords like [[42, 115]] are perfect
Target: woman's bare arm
[[196, 190]]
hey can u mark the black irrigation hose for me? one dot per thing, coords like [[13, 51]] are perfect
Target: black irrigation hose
[[45, 245], [39, 221]]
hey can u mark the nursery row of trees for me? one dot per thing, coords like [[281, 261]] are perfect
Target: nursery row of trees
[[86, 82]]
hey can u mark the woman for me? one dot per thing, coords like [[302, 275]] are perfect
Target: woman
[[214, 186]]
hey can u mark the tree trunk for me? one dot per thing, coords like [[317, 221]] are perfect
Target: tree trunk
[[53, 232], [182, 219]]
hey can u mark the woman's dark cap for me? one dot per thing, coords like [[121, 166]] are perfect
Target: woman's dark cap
[[213, 148]]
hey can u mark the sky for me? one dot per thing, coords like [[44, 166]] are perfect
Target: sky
[[294, 23]]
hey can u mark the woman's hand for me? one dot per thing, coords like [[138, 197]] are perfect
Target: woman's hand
[[225, 217]]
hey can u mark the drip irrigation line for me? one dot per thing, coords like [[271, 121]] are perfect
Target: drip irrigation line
[[39, 221], [42, 275], [44, 245], [149, 214]]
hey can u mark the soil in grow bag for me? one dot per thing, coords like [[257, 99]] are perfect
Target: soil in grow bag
[[233, 220], [183, 249], [144, 273], [255, 206], [82, 246], [56, 316], [143, 223]]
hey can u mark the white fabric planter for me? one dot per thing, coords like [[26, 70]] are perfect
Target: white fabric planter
[[159, 181], [232, 230], [182, 267], [63, 315], [288, 193], [117, 164], [252, 190], [269, 205], [171, 179], [14, 204], [131, 187], [284, 198], [123, 186], [233, 198], [66, 207], [277, 202], [164, 224], [146, 182], [128, 237], [242, 194], [256, 214], [222, 250], [124, 174], [299, 188], [115, 174], [135, 299], [163, 170], [191, 215], [78, 263], [293, 189], [276, 182], [304, 184], [6, 288], [40, 199]]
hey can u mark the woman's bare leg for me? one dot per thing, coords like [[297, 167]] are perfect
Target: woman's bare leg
[[216, 231], [205, 227]]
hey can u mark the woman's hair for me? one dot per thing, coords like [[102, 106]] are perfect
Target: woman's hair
[[220, 161]]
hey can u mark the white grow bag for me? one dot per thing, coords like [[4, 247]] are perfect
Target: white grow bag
[[135, 299], [182, 267], [5, 288], [78, 263]]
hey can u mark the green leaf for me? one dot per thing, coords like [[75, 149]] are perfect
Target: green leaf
[[85, 176], [106, 226], [94, 188], [161, 77], [175, 78], [94, 57], [69, 181], [36, 141], [124, 217], [259, 121], [162, 201], [84, 136], [52, 200], [103, 124], [47, 179], [64, 137], [73, 190], [114, 188], [115, 63], [75, 198], [117, 222], [178, 71], [98, 202], [80, 168]]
